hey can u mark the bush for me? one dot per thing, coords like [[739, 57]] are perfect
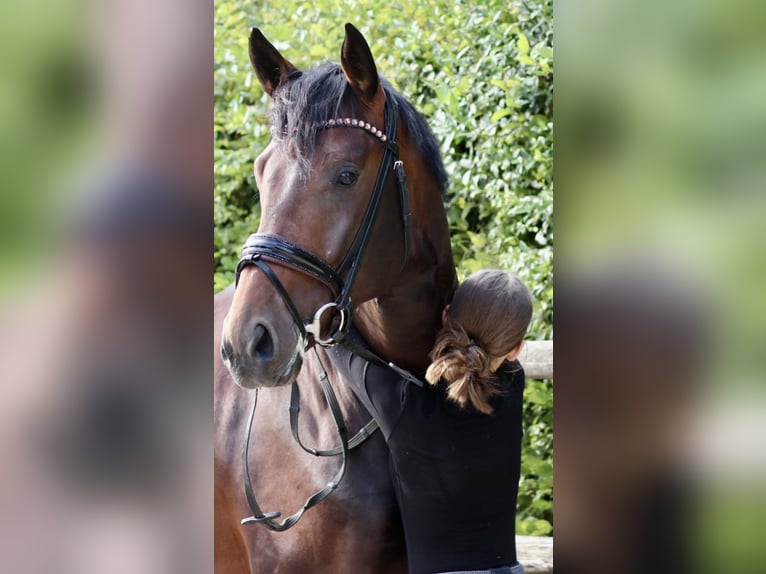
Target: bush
[[483, 77]]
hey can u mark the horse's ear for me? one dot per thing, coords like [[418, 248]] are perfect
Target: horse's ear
[[269, 65], [358, 65]]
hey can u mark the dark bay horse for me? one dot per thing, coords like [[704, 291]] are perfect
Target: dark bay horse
[[315, 185]]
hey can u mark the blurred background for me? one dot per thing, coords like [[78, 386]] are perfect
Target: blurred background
[[661, 276], [105, 220]]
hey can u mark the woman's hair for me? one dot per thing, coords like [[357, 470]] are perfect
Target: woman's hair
[[486, 320]]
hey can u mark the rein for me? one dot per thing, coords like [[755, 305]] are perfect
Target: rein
[[261, 249]]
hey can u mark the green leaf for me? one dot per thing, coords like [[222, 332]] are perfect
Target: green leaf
[[317, 51], [522, 44], [545, 52], [501, 113], [477, 240]]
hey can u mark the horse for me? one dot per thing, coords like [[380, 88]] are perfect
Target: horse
[[317, 179]]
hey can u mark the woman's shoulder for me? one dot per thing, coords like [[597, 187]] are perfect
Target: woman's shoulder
[[511, 369], [510, 375]]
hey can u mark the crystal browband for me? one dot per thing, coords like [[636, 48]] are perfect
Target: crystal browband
[[353, 123]]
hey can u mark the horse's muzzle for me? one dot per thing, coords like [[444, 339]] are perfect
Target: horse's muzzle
[[257, 358]]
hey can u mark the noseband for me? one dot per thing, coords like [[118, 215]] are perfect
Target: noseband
[[262, 249]]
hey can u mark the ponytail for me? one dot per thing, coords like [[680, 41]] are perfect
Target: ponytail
[[464, 365], [487, 318]]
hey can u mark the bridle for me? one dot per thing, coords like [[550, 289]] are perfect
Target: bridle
[[260, 248], [263, 249]]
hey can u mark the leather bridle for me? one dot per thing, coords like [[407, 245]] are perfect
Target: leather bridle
[[262, 250]]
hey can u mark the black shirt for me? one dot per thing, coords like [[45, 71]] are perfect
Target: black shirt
[[455, 471]]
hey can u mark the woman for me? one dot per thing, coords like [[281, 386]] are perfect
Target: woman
[[456, 443]]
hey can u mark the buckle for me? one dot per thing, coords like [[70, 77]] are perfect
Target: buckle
[[255, 520], [314, 328]]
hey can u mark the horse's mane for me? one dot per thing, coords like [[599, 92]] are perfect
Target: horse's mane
[[310, 98]]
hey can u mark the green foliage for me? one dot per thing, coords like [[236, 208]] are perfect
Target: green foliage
[[482, 74]]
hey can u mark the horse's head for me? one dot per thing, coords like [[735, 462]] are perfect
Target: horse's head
[[316, 179]]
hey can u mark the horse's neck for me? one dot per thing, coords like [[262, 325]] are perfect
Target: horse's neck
[[402, 324]]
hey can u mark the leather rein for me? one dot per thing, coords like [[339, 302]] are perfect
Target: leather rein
[[264, 249]]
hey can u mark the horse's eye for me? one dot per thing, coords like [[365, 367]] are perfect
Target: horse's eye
[[346, 178]]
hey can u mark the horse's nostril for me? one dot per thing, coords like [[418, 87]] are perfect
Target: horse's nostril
[[262, 344], [227, 351]]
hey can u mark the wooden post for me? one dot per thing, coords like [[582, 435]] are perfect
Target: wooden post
[[537, 359], [535, 553]]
